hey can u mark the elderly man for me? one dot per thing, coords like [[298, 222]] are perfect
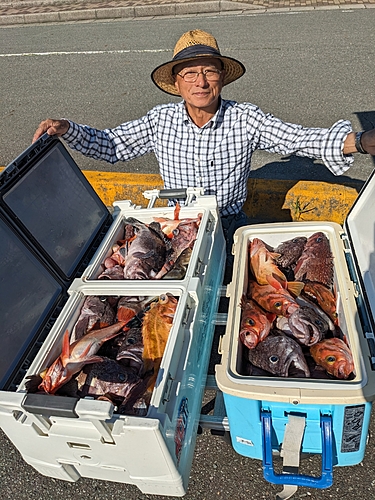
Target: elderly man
[[205, 140]]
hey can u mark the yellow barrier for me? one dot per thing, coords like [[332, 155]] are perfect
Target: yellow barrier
[[268, 200]]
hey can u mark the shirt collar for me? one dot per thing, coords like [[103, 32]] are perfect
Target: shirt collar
[[217, 118]]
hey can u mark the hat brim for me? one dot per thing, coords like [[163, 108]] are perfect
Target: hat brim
[[163, 78]]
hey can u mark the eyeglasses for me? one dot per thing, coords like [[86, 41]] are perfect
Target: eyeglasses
[[211, 75]]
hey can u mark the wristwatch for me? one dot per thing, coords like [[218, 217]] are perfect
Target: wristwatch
[[358, 144]]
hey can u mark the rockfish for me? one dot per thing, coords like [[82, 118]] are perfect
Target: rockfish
[[316, 261], [334, 356], [289, 252], [323, 297], [277, 354], [274, 300], [75, 356], [130, 350], [157, 323], [96, 313], [255, 323], [147, 252], [306, 325], [263, 265]]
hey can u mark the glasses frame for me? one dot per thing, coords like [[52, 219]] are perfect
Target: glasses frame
[[214, 70]]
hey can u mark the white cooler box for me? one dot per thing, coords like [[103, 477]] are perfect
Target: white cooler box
[[336, 412], [52, 223]]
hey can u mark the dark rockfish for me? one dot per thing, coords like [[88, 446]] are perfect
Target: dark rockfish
[[130, 350], [290, 251], [277, 354], [147, 252], [184, 236], [306, 326], [255, 323], [334, 356], [178, 271], [109, 380], [316, 261], [96, 313]]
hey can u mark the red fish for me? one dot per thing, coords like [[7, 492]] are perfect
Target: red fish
[[316, 261], [255, 323], [322, 296], [274, 300], [334, 356], [75, 356], [263, 265]]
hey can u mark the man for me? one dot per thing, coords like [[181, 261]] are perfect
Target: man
[[206, 140]]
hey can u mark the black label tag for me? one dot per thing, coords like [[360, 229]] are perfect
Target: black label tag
[[351, 434]]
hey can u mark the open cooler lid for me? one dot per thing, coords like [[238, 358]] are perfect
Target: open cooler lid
[[29, 298], [49, 201], [360, 229]]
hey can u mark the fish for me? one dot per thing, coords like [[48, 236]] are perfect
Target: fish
[[130, 349], [111, 380], [147, 252], [334, 356], [75, 356], [129, 307], [180, 267], [156, 326], [307, 326], [289, 252], [169, 225], [255, 323], [184, 236], [112, 273], [302, 300], [263, 265], [316, 261], [277, 354], [96, 313], [323, 297], [274, 300]]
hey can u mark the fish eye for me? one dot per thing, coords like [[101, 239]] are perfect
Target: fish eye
[[319, 239], [122, 377], [278, 304], [318, 322], [250, 322], [331, 359], [130, 340], [163, 299], [273, 359], [175, 231]]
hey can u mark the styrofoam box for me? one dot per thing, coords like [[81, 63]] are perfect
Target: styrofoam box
[[245, 396], [87, 438], [209, 234]]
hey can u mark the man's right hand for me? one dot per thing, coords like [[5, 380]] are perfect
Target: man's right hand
[[52, 127]]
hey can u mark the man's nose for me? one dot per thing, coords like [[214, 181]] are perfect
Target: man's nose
[[201, 79]]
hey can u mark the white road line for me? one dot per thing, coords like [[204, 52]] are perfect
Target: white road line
[[85, 52]]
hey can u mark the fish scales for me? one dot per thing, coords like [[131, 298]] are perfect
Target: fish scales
[[316, 261]]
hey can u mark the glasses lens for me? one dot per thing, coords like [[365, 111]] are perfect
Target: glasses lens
[[211, 75]]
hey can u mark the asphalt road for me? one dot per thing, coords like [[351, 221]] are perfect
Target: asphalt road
[[306, 67]]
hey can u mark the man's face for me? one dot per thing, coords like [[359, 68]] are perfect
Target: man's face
[[202, 93]]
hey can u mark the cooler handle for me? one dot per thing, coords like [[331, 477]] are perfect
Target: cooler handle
[[326, 478], [185, 193]]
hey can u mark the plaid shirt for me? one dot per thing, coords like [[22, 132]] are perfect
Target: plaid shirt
[[216, 156]]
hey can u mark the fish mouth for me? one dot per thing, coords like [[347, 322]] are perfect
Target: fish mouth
[[249, 338], [292, 361]]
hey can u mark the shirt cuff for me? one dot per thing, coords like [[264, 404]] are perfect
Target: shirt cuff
[[71, 136], [333, 146]]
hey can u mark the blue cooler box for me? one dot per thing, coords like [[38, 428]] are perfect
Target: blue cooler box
[[336, 412]]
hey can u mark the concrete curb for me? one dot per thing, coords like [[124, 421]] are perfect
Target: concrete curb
[[176, 9]]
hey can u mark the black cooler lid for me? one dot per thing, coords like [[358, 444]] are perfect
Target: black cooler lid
[[47, 199], [30, 297]]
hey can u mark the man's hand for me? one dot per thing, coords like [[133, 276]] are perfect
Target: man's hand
[[52, 127]]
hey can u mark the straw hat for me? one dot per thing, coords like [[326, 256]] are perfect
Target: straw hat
[[192, 45]]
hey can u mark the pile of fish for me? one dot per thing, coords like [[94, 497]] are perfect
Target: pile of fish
[[161, 249], [113, 352], [289, 324]]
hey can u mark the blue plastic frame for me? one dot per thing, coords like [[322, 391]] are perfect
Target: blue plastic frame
[[326, 478]]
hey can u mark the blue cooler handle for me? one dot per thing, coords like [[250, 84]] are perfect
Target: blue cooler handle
[[324, 481]]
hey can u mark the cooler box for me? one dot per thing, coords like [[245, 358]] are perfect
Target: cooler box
[[336, 412], [52, 223]]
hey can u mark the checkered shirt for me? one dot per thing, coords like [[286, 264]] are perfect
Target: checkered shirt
[[217, 156]]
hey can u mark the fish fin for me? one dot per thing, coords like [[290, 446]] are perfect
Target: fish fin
[[274, 282], [177, 211], [295, 287], [65, 345]]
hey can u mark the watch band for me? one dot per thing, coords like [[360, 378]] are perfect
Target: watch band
[[358, 144]]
